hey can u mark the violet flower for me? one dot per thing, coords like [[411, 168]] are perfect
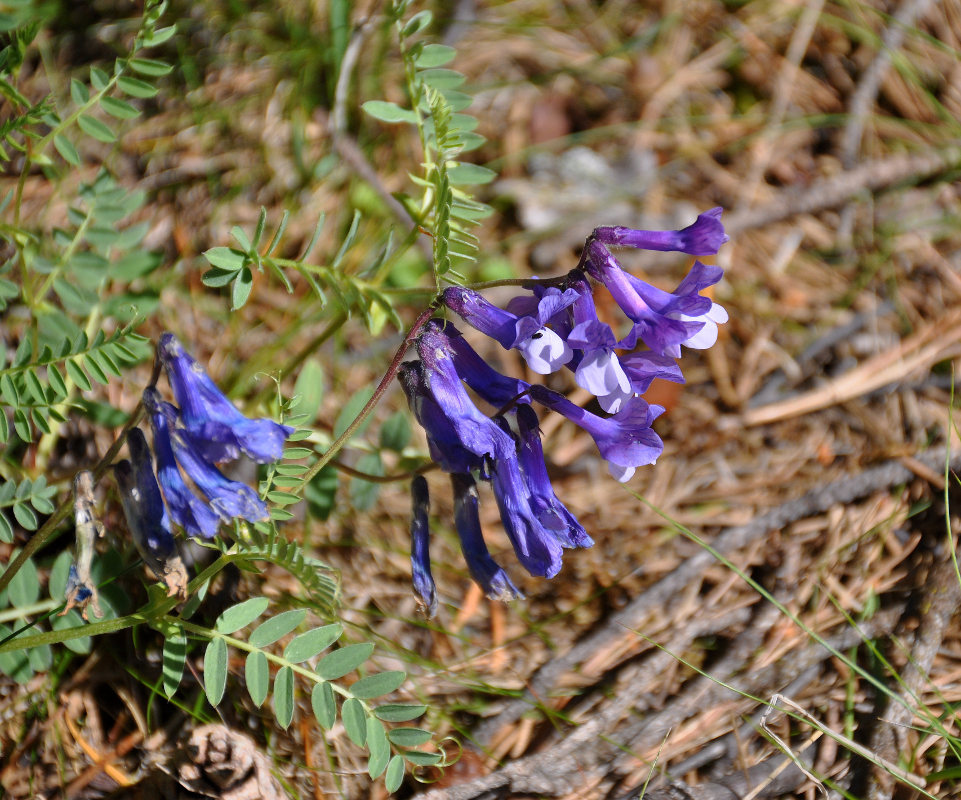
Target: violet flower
[[186, 509], [420, 546], [626, 440], [703, 237], [229, 499], [219, 431], [663, 320], [543, 349], [536, 547], [474, 431], [146, 515], [443, 441], [550, 511], [486, 572]]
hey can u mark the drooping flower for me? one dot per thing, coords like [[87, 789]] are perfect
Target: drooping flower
[[653, 325], [214, 424], [229, 499], [420, 546], [443, 441], [548, 509], [543, 349], [146, 515], [536, 547], [626, 440], [186, 509], [492, 386], [703, 237], [554, 327], [474, 431], [486, 572]]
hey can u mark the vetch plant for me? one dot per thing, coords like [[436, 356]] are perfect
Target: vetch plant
[[553, 326]]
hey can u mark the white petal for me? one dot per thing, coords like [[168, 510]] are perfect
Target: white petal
[[717, 313], [545, 351], [600, 372], [705, 337], [614, 402], [619, 473]]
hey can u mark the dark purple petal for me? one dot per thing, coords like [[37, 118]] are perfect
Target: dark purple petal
[[537, 548], [420, 546], [229, 499], [625, 440], [703, 237], [142, 501], [550, 511], [491, 385], [486, 572], [642, 368], [218, 429], [147, 518], [443, 439], [474, 430], [186, 509]]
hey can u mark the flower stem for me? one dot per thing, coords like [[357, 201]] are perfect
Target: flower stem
[[341, 440], [144, 615]]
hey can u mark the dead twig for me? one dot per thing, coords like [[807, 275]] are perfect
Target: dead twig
[[834, 191], [657, 597], [934, 343], [941, 601]]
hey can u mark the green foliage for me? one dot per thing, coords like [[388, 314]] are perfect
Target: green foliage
[[66, 292], [25, 500], [446, 207], [353, 290], [364, 722], [75, 284]]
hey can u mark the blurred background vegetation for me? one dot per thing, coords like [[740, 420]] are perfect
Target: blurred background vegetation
[[829, 131]]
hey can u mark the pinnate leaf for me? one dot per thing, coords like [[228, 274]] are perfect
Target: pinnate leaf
[[240, 615], [309, 644], [276, 627], [215, 670], [346, 659]]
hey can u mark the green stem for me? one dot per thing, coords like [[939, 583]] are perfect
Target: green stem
[[28, 611], [64, 258], [375, 397], [400, 476], [49, 530], [145, 615], [209, 633]]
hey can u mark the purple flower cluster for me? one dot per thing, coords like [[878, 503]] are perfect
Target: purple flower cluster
[[191, 440], [553, 327]]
